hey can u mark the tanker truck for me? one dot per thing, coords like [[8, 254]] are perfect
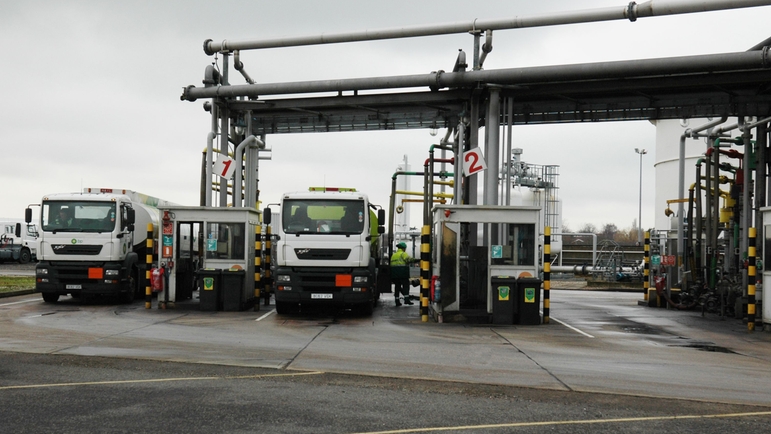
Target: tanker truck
[[328, 251], [93, 243]]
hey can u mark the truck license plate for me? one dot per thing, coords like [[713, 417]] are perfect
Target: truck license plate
[[73, 287], [321, 295]]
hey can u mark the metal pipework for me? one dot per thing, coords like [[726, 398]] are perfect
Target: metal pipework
[[630, 11], [439, 80], [240, 67], [681, 182]]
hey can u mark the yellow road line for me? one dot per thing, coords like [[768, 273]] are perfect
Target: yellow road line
[[156, 380], [569, 422]]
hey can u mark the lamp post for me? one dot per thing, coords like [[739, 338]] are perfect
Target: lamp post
[[639, 208]]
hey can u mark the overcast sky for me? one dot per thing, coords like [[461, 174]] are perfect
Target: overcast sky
[[91, 93]]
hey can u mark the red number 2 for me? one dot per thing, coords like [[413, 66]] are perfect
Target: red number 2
[[474, 167]]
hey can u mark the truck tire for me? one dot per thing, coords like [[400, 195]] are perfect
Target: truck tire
[[282, 307], [24, 256], [366, 309], [50, 298], [128, 296]]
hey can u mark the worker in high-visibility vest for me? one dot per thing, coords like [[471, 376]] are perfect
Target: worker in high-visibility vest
[[400, 273]]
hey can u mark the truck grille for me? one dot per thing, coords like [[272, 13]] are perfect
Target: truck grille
[[323, 254], [76, 249]]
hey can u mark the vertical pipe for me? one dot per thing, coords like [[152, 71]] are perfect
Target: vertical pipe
[[639, 205], [708, 220], [546, 273], [458, 149], [509, 124], [210, 154], [148, 266], [257, 264], [699, 226], [224, 128], [492, 144], [746, 209], [647, 266], [751, 280], [760, 186], [425, 270]]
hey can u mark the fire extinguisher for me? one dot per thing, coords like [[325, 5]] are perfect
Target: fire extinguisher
[[156, 279], [436, 289]]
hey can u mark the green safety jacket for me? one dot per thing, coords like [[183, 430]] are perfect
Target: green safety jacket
[[399, 262]]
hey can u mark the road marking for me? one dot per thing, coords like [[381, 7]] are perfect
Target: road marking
[[572, 328], [266, 315], [20, 302], [570, 422], [157, 380]]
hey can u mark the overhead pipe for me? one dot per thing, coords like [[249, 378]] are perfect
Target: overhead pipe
[[439, 80], [630, 11]]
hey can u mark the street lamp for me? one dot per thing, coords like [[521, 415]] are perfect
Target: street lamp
[[639, 208]]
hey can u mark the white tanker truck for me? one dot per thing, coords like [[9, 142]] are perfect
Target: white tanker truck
[[94, 243]]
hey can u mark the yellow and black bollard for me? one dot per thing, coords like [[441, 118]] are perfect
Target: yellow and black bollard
[[148, 266], [268, 278], [425, 271]]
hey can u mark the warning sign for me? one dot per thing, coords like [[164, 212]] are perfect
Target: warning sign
[[503, 293]]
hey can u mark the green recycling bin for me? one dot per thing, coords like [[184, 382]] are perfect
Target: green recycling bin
[[232, 289], [209, 284], [504, 299], [529, 300]]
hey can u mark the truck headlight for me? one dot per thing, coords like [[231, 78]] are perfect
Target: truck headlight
[[282, 278], [111, 272], [41, 271], [360, 279]]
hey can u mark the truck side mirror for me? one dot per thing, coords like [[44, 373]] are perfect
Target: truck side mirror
[[266, 215], [381, 217], [28, 215], [18, 230], [130, 218]]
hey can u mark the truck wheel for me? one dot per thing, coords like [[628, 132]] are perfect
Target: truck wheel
[[366, 309], [50, 298], [128, 296], [282, 307], [24, 256]]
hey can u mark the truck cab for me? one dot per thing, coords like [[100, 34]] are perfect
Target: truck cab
[[18, 241], [326, 251]]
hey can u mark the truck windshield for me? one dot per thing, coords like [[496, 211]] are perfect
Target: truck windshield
[[323, 216], [78, 216]]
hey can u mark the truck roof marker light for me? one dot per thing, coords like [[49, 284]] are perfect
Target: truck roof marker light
[[338, 189]]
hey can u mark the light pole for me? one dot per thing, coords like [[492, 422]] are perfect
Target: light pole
[[639, 208]]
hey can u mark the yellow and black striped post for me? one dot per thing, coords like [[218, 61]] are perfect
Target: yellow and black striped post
[[546, 272], [148, 266], [425, 271], [257, 265], [751, 270], [268, 278], [647, 265]]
